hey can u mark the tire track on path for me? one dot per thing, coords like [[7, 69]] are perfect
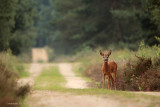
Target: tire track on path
[[72, 80]]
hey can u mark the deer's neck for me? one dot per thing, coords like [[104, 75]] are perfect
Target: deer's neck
[[106, 64], [105, 68]]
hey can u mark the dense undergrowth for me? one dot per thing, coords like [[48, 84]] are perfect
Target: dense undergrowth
[[11, 94], [138, 71]]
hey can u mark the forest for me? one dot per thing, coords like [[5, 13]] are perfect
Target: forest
[[69, 26]]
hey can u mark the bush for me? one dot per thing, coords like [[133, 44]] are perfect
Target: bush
[[25, 57], [10, 93], [142, 75], [94, 72]]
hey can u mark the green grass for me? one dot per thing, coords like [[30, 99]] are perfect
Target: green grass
[[24, 73], [49, 79], [23, 103]]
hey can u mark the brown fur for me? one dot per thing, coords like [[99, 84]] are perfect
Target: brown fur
[[109, 68]]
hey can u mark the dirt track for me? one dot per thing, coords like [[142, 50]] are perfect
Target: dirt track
[[72, 80], [56, 99]]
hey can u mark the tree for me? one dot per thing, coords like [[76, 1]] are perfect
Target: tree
[[43, 23], [24, 32], [150, 20], [16, 28], [7, 14], [76, 24]]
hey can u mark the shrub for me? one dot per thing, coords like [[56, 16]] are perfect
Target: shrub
[[139, 73], [143, 73], [94, 72], [10, 93], [149, 81], [134, 70], [23, 91], [25, 57]]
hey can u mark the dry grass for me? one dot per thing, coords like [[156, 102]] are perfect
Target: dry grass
[[10, 93]]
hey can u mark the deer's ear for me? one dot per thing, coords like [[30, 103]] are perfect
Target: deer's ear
[[101, 53], [109, 53]]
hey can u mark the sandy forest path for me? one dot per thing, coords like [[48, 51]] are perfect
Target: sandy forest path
[[45, 98]]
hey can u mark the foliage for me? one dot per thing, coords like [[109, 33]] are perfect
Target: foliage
[[10, 71], [25, 57], [143, 72], [51, 54], [7, 13], [150, 21], [69, 26], [43, 22], [14, 64], [16, 29]]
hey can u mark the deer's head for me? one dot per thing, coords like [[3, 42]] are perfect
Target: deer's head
[[105, 55]]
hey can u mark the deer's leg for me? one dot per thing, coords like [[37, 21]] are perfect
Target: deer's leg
[[109, 82], [115, 80], [103, 80]]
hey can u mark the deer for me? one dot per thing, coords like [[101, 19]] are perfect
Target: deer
[[108, 68]]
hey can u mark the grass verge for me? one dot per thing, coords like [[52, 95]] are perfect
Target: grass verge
[[25, 73]]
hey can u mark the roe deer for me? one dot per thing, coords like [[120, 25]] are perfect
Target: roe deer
[[109, 68]]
